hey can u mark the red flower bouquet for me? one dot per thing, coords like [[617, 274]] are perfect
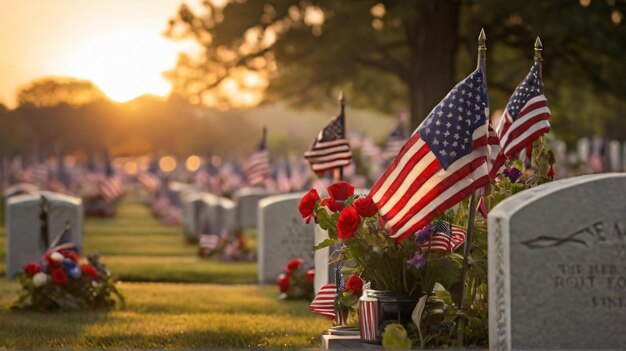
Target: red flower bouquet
[[63, 280], [296, 282]]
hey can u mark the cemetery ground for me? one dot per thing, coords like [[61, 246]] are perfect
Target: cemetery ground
[[173, 298]]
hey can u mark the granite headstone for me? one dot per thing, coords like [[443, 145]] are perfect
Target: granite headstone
[[24, 238], [247, 200], [557, 266], [193, 205], [282, 235]]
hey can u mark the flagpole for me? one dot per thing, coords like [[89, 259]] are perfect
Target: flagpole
[[342, 115], [482, 64]]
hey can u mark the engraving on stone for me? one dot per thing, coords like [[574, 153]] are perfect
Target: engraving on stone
[[598, 232]]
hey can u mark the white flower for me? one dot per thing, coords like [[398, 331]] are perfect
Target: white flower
[[55, 256], [40, 279]]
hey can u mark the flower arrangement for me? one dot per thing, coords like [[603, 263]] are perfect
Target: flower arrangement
[[367, 251], [296, 282], [63, 280]]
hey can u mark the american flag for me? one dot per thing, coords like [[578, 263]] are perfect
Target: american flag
[[445, 238], [282, 176], [208, 243], [395, 141], [330, 150], [526, 114], [444, 161], [496, 156], [324, 302], [149, 181], [258, 164]]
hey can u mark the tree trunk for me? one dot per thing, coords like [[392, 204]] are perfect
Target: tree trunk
[[432, 38]]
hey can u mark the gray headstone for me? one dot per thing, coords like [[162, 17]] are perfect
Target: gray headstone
[[193, 205], [615, 160], [560, 151], [623, 157], [220, 214], [24, 243], [247, 200], [324, 273], [282, 235], [557, 266], [583, 148], [178, 190]]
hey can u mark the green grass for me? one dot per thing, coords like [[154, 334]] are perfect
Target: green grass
[[141, 252], [160, 315]]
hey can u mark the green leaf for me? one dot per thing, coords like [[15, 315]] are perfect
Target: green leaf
[[324, 219], [326, 243]]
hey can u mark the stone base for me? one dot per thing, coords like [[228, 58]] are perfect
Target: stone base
[[344, 342]]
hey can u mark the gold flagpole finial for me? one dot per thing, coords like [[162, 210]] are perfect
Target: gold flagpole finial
[[482, 44], [538, 49], [482, 50], [342, 98]]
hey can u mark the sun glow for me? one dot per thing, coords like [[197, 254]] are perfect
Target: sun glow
[[125, 64]]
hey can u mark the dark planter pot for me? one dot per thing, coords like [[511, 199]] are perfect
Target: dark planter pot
[[377, 309]]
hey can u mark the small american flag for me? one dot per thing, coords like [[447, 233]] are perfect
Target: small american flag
[[324, 302], [496, 157], [208, 242], [258, 165], [330, 150], [526, 114], [443, 162], [446, 238]]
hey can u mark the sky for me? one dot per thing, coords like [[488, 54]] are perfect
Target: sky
[[117, 44]]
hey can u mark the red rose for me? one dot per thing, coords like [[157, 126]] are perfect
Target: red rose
[[355, 285], [340, 190], [365, 206], [294, 264], [347, 223], [283, 282], [310, 275], [89, 271], [73, 256], [307, 204], [332, 205], [31, 268], [59, 277]]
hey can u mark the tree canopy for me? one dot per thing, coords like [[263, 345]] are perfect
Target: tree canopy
[[398, 55]]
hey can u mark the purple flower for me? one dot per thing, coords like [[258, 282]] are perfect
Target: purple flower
[[512, 173], [418, 261], [422, 235]]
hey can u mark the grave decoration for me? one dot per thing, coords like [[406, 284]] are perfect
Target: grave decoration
[[63, 280], [403, 237], [296, 281], [401, 272], [227, 248]]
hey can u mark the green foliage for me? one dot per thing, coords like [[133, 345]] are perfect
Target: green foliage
[[416, 50], [395, 337]]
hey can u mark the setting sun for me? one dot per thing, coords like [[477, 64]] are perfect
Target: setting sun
[[124, 64]]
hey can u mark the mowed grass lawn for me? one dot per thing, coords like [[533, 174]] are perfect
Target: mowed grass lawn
[[174, 299], [159, 315]]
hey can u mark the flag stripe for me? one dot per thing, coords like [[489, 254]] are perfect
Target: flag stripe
[[443, 194], [523, 123], [398, 165], [533, 133]]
